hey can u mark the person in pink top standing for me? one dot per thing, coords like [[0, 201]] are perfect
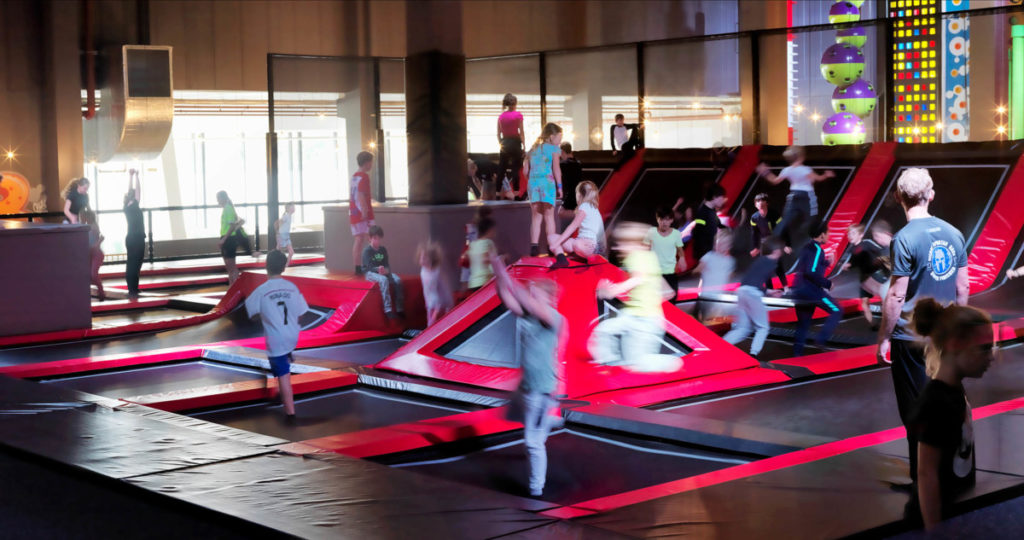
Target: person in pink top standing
[[510, 137]]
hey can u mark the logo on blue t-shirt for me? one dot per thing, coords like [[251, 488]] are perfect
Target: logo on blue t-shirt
[[941, 260]]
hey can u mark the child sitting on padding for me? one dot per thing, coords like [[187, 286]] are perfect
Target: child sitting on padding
[[376, 269], [587, 220]]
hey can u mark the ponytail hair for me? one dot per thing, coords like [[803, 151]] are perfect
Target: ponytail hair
[[943, 324], [550, 129], [587, 192]]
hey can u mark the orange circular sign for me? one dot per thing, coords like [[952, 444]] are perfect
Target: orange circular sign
[[14, 190]]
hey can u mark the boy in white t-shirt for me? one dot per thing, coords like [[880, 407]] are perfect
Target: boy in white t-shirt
[[284, 231], [279, 304], [801, 203], [667, 244]]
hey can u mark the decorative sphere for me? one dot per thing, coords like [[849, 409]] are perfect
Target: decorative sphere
[[855, 35], [857, 3], [858, 98], [843, 12], [842, 64], [843, 128]]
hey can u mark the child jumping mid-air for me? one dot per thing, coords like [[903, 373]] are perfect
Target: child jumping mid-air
[[588, 221], [279, 304], [801, 203], [376, 269], [632, 339]]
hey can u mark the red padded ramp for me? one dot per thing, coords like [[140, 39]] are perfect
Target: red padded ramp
[[999, 233], [735, 179], [618, 183], [858, 197], [578, 304]]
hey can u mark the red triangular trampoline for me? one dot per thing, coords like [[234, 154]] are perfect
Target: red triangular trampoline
[[475, 343]]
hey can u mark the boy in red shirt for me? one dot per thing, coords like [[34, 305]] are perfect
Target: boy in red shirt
[[360, 210]]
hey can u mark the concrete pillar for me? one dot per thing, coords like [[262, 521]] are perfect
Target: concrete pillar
[[435, 92], [60, 107]]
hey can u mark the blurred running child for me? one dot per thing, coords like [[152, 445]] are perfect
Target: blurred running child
[[869, 257], [667, 244], [811, 290], [279, 304], [750, 310], [436, 294], [360, 209], [479, 254], [377, 270], [706, 222], [715, 269], [587, 221], [632, 339], [88, 217], [538, 324], [961, 345], [801, 203], [545, 184], [284, 231], [231, 235]]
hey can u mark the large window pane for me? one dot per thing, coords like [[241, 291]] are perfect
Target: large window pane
[[693, 94], [487, 82], [585, 90]]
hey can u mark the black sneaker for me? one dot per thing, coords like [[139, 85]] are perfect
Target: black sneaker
[[561, 261], [534, 250]]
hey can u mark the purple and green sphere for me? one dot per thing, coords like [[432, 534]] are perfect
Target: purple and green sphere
[[843, 128], [842, 64], [843, 12], [855, 35], [858, 98]]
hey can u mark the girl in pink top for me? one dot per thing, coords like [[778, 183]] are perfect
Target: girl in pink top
[[510, 137]]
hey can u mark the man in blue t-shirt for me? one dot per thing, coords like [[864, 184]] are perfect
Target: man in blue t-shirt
[[929, 259]]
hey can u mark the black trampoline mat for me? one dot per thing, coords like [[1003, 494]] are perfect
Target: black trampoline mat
[[338, 356], [850, 404], [120, 318], [158, 379], [581, 466], [329, 414], [661, 186]]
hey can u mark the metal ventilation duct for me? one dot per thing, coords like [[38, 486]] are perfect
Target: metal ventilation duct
[[136, 106]]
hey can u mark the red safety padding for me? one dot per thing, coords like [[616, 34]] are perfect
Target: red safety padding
[[834, 361], [738, 174], [243, 391], [201, 266], [125, 305], [788, 315], [857, 199], [113, 361], [578, 304], [618, 183], [1004, 224], [413, 435], [719, 382]]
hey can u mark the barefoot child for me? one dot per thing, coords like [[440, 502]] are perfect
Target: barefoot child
[[279, 304], [436, 294], [284, 231]]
